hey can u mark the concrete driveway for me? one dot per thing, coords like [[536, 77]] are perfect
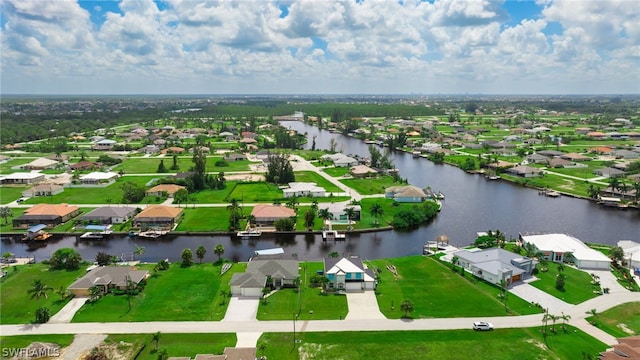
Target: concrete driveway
[[242, 309], [68, 311], [363, 305], [535, 295]]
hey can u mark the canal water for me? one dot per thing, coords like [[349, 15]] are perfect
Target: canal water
[[471, 204]]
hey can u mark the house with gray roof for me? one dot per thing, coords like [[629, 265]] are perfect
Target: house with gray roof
[[496, 264], [109, 215], [107, 278], [609, 172], [405, 194], [348, 274], [281, 273]]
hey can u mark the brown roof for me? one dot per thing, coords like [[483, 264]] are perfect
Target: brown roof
[[61, 210], [168, 188], [272, 211], [362, 169], [628, 348], [159, 211]]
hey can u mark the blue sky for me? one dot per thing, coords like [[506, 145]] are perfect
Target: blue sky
[[320, 47]]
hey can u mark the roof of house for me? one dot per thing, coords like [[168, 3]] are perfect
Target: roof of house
[[559, 162], [575, 157], [627, 348], [565, 244], [107, 212], [44, 187], [99, 175], [23, 176], [345, 265], [168, 188], [282, 269], [41, 162], [493, 260], [303, 186], [406, 191], [106, 275], [272, 211], [523, 169], [362, 169], [159, 212], [248, 280], [61, 210]]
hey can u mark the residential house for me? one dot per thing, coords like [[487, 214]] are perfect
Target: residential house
[[348, 274], [276, 273], [405, 194], [631, 250], [151, 149], [107, 278], [496, 264], [336, 211], [109, 215], [362, 171], [235, 157], [238, 353], [157, 217], [627, 348], [345, 161], [104, 144], [83, 165], [47, 214], [162, 189], [524, 171], [609, 172], [304, 189], [266, 214], [575, 157], [625, 154], [557, 162], [41, 164], [22, 178], [99, 177], [550, 153], [537, 159], [43, 190], [556, 247], [173, 150]]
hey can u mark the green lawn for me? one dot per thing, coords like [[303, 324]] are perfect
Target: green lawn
[[6, 168], [501, 344], [578, 287], [139, 165], [110, 194], [206, 219], [371, 186], [16, 307], [620, 321], [179, 294], [313, 305], [336, 171], [177, 345], [309, 155], [311, 176], [254, 192], [437, 292], [215, 196], [8, 227], [11, 193]]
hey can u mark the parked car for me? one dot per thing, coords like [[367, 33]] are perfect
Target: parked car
[[20, 200], [482, 326]]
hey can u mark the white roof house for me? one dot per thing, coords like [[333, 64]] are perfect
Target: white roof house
[[349, 274], [556, 246], [304, 189], [340, 160], [40, 164], [631, 251], [98, 177], [22, 178]]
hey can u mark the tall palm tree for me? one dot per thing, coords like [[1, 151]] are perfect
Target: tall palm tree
[[139, 250], [565, 319], [293, 203], [156, 339], [39, 290], [235, 214], [376, 210], [593, 191], [350, 212], [5, 213], [219, 250], [200, 252], [324, 214], [614, 184], [636, 187]]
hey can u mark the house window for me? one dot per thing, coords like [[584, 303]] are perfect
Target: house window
[[348, 275], [330, 276], [358, 275], [558, 256]]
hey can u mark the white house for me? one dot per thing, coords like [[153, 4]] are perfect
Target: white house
[[22, 178], [631, 251], [495, 264], [555, 247], [340, 160], [304, 189], [337, 211], [98, 177], [104, 144], [349, 274]]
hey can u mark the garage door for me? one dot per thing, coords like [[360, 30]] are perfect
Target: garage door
[[353, 286], [516, 278]]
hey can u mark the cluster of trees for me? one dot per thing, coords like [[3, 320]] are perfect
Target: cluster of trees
[[285, 140], [490, 240], [408, 217], [187, 255], [378, 160], [279, 169]]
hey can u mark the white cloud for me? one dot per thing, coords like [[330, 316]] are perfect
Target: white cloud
[[380, 46]]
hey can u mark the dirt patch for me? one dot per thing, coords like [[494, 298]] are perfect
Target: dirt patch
[[308, 350], [626, 329], [244, 177], [570, 185], [537, 344]]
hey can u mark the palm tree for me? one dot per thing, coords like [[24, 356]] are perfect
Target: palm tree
[[219, 250], [139, 250], [553, 319], [200, 252], [156, 339], [251, 219], [636, 187], [5, 213], [235, 214], [39, 290], [293, 203], [63, 292], [314, 205], [375, 211], [614, 184], [593, 191], [503, 286], [565, 319], [324, 214], [545, 320]]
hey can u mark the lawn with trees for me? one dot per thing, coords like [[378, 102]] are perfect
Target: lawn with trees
[[372, 186], [577, 287], [620, 321]]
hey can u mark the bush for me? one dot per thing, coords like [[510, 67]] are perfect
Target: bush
[[43, 314], [66, 258], [221, 163]]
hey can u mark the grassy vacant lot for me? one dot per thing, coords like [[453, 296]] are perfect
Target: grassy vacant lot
[[501, 344], [437, 292], [336, 171], [620, 321], [6, 168], [140, 165], [371, 186], [19, 342], [577, 288], [11, 193], [110, 194], [179, 294], [310, 176], [254, 192], [16, 307], [214, 196], [313, 305], [206, 219], [309, 154], [176, 344]]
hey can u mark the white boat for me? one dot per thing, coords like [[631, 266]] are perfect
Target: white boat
[[91, 235], [333, 235], [152, 234], [273, 251], [249, 233]]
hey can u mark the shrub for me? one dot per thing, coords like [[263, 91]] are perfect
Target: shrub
[[43, 314]]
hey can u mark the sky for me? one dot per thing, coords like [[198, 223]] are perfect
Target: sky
[[320, 47]]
